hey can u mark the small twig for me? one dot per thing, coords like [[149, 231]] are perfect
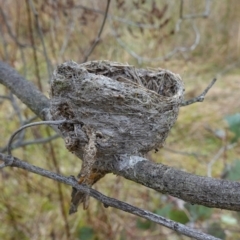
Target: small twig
[[9, 30], [201, 97], [177, 49], [119, 19], [217, 156], [53, 158], [35, 13], [30, 125], [18, 113], [16, 108], [99, 33], [107, 201], [181, 9], [195, 155], [168, 55], [31, 142], [205, 14], [30, 119], [69, 29], [32, 40], [5, 97], [4, 43]]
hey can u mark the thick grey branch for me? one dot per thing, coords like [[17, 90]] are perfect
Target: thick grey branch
[[107, 201], [24, 90], [195, 189]]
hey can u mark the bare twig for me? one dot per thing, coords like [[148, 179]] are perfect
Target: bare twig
[[16, 108], [30, 119], [14, 37], [205, 14], [49, 66], [70, 28], [99, 33], [5, 97], [18, 112], [107, 201], [32, 39], [119, 19], [4, 43], [176, 50], [171, 53], [31, 125], [52, 157], [201, 97], [195, 155], [217, 156], [31, 142], [9, 30], [181, 9]]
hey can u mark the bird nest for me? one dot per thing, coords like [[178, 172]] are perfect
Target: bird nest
[[129, 110]]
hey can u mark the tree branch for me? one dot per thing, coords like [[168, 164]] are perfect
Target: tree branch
[[206, 191], [35, 13], [24, 90], [30, 142], [107, 201], [9, 147], [96, 41], [195, 189], [201, 97]]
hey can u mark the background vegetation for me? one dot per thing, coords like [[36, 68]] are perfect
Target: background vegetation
[[35, 36]]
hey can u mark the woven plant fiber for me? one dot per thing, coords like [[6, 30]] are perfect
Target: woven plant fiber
[[130, 110]]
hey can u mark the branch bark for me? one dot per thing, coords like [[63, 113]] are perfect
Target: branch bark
[[24, 90], [107, 201], [206, 191], [195, 189]]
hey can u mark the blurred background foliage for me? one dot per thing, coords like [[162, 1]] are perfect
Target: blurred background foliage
[[196, 39]]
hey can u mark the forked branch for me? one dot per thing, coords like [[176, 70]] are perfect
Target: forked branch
[[201, 97], [96, 41], [107, 201]]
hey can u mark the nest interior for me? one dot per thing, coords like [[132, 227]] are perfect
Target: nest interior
[[131, 110]]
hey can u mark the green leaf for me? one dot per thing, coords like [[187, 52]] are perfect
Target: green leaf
[[234, 125], [178, 216], [86, 233], [198, 212], [234, 172], [216, 230], [143, 224]]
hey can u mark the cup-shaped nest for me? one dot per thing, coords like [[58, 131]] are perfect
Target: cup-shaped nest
[[131, 110]]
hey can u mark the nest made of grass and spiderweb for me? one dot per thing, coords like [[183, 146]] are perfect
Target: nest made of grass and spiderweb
[[131, 110]]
